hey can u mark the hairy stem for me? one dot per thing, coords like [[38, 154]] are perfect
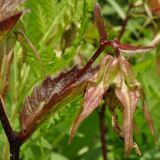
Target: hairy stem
[[103, 131]]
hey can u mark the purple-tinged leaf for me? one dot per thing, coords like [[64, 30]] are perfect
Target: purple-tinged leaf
[[93, 95], [105, 63], [127, 48], [149, 120], [92, 99], [112, 72], [127, 72], [99, 21], [129, 100], [50, 96]]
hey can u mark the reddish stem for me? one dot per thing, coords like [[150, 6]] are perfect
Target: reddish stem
[[125, 22], [12, 137], [103, 131]]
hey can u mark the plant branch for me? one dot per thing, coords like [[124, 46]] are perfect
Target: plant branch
[[125, 22], [5, 122], [90, 62], [12, 137], [103, 131]]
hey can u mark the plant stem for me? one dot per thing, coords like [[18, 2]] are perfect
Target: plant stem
[[14, 141], [5, 122], [14, 150], [90, 62], [125, 22], [103, 131]]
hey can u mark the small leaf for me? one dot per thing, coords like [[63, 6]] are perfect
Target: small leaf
[[99, 21], [129, 100], [92, 98], [112, 71], [127, 48], [127, 72], [93, 95]]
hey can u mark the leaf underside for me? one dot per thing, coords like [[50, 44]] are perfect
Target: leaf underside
[[46, 98]]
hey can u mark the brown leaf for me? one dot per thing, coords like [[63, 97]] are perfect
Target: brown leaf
[[129, 100], [49, 97], [99, 21], [149, 120]]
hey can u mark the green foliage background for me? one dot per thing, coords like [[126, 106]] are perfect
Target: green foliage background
[[45, 24]]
